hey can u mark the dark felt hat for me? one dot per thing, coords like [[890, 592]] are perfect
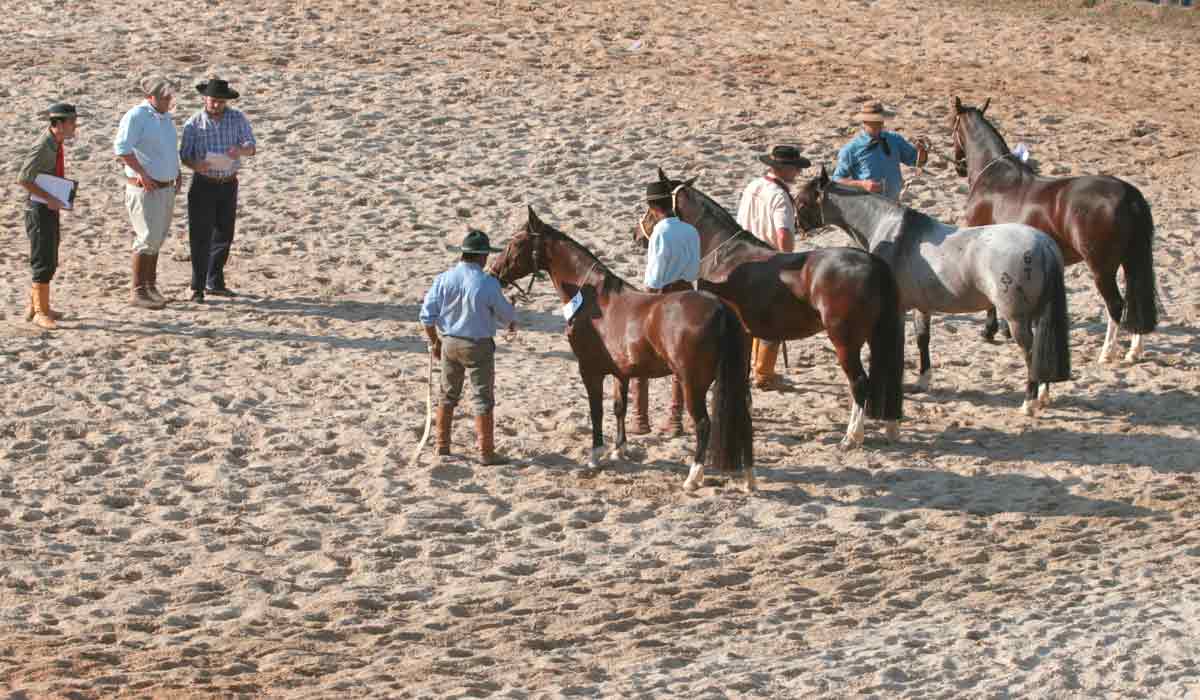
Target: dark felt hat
[[476, 243], [659, 189], [218, 89], [59, 110], [785, 156]]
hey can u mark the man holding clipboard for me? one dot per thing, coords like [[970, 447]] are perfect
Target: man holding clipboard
[[42, 175]]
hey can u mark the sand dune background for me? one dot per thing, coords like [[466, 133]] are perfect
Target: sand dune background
[[215, 501]]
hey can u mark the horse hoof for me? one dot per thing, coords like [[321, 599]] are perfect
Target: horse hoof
[[1044, 396], [1030, 408], [1107, 355], [923, 381], [1133, 355], [748, 486], [892, 431], [848, 444]]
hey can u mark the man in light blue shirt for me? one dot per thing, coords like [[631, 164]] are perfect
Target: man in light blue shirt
[[672, 265], [146, 144], [872, 159], [466, 305]]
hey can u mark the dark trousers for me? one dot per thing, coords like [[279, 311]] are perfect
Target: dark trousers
[[212, 214], [41, 226]]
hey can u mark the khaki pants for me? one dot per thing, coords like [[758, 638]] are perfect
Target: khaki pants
[[476, 359], [151, 214]]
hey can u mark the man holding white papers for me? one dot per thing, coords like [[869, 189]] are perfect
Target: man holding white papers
[[46, 158], [146, 143], [215, 139]]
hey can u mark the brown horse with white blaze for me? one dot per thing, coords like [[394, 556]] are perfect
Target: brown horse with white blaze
[[849, 293], [1101, 221], [620, 331]]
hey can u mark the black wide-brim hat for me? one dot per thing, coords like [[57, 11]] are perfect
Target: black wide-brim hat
[[217, 89], [785, 156], [658, 189], [59, 110], [476, 243]]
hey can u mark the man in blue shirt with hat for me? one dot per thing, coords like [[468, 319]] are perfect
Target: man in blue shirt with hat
[[872, 160], [466, 306]]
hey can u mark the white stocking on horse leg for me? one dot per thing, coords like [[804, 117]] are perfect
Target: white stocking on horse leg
[[1044, 395], [854, 428], [924, 379], [1108, 352], [597, 455], [1135, 349], [695, 477]]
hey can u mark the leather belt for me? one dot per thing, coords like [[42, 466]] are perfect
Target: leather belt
[[160, 183], [220, 179]]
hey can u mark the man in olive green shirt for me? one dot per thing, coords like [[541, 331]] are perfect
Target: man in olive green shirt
[[46, 157]]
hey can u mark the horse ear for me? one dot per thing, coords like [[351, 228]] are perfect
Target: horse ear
[[662, 177], [985, 106], [534, 222], [691, 182], [958, 108], [824, 177]]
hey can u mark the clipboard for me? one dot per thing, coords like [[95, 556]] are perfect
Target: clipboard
[[60, 187]]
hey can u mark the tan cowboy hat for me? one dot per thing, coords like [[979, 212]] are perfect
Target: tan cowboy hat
[[873, 112]]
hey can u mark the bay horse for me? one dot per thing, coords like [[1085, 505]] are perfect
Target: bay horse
[[849, 293], [1101, 221], [621, 331], [1012, 268]]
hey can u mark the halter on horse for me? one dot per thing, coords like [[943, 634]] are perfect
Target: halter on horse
[[626, 333]]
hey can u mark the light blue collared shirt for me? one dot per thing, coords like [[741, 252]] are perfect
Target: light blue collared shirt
[[466, 302], [150, 136], [202, 135], [859, 160], [673, 253]]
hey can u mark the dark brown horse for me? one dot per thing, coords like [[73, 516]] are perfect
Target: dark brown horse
[[1102, 221], [624, 332], [849, 293]]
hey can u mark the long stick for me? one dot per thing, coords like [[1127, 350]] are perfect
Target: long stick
[[416, 456], [785, 357]]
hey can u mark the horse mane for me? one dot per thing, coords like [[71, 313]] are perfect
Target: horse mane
[[611, 283], [1031, 166], [722, 215]]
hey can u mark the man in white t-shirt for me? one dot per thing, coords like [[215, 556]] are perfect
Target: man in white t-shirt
[[766, 210]]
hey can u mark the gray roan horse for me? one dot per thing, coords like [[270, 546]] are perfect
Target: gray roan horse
[[1015, 268], [850, 294]]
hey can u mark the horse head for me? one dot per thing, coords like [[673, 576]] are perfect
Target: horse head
[[641, 234], [525, 253], [959, 127], [809, 201]]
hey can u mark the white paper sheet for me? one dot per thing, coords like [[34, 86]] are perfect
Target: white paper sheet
[[60, 188]]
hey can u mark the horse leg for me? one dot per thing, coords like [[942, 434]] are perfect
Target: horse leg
[[1106, 283], [695, 402], [1023, 333], [921, 324], [595, 391], [620, 404], [856, 377]]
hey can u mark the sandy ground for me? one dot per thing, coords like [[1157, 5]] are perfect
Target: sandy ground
[[215, 501]]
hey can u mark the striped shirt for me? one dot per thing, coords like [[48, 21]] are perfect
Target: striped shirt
[[203, 135]]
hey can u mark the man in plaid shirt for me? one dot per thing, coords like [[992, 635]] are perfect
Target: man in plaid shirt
[[215, 139]]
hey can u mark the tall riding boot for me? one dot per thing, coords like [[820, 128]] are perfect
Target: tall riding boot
[[152, 280], [673, 425], [41, 316], [764, 366], [640, 390], [445, 419], [141, 297], [484, 428]]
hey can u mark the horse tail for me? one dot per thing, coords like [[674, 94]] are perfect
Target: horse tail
[[1141, 300], [731, 439], [885, 397], [1052, 334]]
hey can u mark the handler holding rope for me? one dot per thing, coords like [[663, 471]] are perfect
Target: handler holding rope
[[466, 305]]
